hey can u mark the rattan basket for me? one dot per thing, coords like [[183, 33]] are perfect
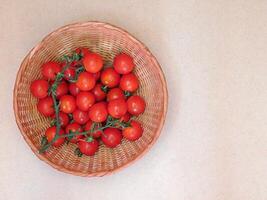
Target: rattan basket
[[107, 40]]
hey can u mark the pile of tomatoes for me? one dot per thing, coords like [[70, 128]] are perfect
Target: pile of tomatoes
[[97, 101]]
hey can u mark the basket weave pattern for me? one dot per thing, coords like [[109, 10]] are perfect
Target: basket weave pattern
[[108, 41]]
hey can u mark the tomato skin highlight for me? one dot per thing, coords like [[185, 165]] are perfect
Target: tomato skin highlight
[[69, 73], [115, 93], [98, 112], [92, 62], [67, 104], [117, 108], [88, 148], [71, 128], [50, 134], [111, 137], [81, 117], [50, 70], [129, 82], [85, 81], [134, 132], [136, 105], [85, 100], [123, 63], [110, 77], [39, 88], [46, 106]]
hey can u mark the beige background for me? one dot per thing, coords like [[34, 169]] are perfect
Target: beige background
[[214, 143]]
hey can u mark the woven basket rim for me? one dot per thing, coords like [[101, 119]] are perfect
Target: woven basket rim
[[24, 64]]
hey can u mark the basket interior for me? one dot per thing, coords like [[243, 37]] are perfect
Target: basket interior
[[108, 41]]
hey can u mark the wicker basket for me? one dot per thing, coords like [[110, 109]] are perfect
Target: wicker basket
[[107, 40]]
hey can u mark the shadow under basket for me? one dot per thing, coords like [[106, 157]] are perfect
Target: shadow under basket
[[108, 41]]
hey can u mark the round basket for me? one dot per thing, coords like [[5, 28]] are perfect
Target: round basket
[[107, 40]]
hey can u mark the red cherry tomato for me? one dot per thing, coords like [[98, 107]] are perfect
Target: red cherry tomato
[[98, 112], [82, 50], [64, 119], [46, 106], [69, 73], [123, 63], [96, 75], [133, 132], [85, 81], [50, 134], [98, 92], [50, 70], [126, 117], [72, 128], [39, 88], [81, 117], [85, 100], [88, 127], [67, 104], [129, 82], [92, 62], [117, 108], [110, 77], [74, 90], [62, 89], [111, 137], [136, 105], [115, 93], [88, 148]]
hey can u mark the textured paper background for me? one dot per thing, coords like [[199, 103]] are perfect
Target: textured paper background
[[214, 143]]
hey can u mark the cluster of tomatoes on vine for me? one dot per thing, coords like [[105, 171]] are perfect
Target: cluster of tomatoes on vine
[[89, 103]]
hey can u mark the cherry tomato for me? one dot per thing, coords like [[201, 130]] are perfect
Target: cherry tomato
[[62, 89], [88, 148], [98, 112], [50, 70], [129, 82], [46, 106], [85, 100], [69, 73], [92, 62], [136, 105], [111, 137], [81, 117], [85, 81], [115, 93], [72, 128], [50, 134], [133, 132], [96, 75], [110, 77], [64, 119], [39, 88], [123, 63], [88, 126], [74, 90], [82, 50], [117, 108], [67, 104], [126, 117], [98, 92]]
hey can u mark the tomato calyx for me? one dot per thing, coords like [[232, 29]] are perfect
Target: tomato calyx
[[78, 152], [105, 88]]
